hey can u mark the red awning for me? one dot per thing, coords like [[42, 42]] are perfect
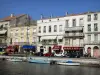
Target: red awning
[[71, 48], [10, 48], [57, 47]]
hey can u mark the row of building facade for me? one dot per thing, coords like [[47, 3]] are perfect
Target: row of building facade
[[71, 33]]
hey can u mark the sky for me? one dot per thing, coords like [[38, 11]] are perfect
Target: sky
[[47, 7]]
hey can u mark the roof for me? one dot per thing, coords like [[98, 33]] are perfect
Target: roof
[[8, 18], [71, 15]]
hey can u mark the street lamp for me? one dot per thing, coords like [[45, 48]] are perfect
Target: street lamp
[[28, 23]]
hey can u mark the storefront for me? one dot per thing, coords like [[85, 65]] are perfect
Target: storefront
[[41, 49], [2, 49], [57, 48], [73, 51], [29, 48], [10, 49]]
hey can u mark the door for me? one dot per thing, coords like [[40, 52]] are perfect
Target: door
[[49, 49]]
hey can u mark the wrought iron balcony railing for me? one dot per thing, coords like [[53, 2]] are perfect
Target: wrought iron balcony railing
[[77, 28], [73, 34], [92, 42]]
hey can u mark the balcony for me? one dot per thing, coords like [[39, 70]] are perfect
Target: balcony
[[92, 32], [77, 28], [74, 35], [48, 43], [92, 43], [21, 43]]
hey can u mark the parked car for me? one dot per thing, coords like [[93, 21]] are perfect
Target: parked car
[[48, 54], [38, 54], [59, 54]]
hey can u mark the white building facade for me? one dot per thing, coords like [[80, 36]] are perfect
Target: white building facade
[[50, 32], [92, 34], [73, 32], [66, 31]]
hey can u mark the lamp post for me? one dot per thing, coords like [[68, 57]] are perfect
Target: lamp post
[[28, 23], [27, 36], [57, 40]]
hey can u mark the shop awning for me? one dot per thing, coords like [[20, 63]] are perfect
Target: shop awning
[[57, 47], [60, 37], [51, 37], [72, 48], [28, 47], [10, 48], [3, 31], [48, 37]]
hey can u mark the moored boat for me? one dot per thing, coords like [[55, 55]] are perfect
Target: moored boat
[[41, 61], [68, 63], [15, 59], [38, 61]]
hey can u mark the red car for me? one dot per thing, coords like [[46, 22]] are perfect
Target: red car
[[48, 54]]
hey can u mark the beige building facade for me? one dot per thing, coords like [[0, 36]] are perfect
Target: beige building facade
[[23, 35], [10, 21]]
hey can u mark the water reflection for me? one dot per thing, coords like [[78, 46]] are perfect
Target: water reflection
[[24, 68]]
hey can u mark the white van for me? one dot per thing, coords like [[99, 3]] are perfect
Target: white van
[[60, 54]]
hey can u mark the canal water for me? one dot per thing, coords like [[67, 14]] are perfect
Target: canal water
[[25, 68]]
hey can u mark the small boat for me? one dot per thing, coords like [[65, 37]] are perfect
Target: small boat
[[15, 59], [69, 63], [40, 61]]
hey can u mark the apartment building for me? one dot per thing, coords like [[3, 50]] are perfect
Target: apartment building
[[72, 33], [22, 35], [7, 22], [92, 34], [50, 32]]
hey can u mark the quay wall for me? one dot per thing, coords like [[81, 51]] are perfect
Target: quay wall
[[60, 59], [80, 60]]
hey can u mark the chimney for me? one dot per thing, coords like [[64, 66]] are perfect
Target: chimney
[[41, 16], [66, 13], [51, 16], [88, 12], [12, 15]]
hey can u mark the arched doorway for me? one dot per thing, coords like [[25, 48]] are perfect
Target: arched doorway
[[96, 52], [89, 51]]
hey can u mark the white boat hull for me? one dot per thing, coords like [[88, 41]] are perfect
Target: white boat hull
[[15, 60], [69, 64]]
